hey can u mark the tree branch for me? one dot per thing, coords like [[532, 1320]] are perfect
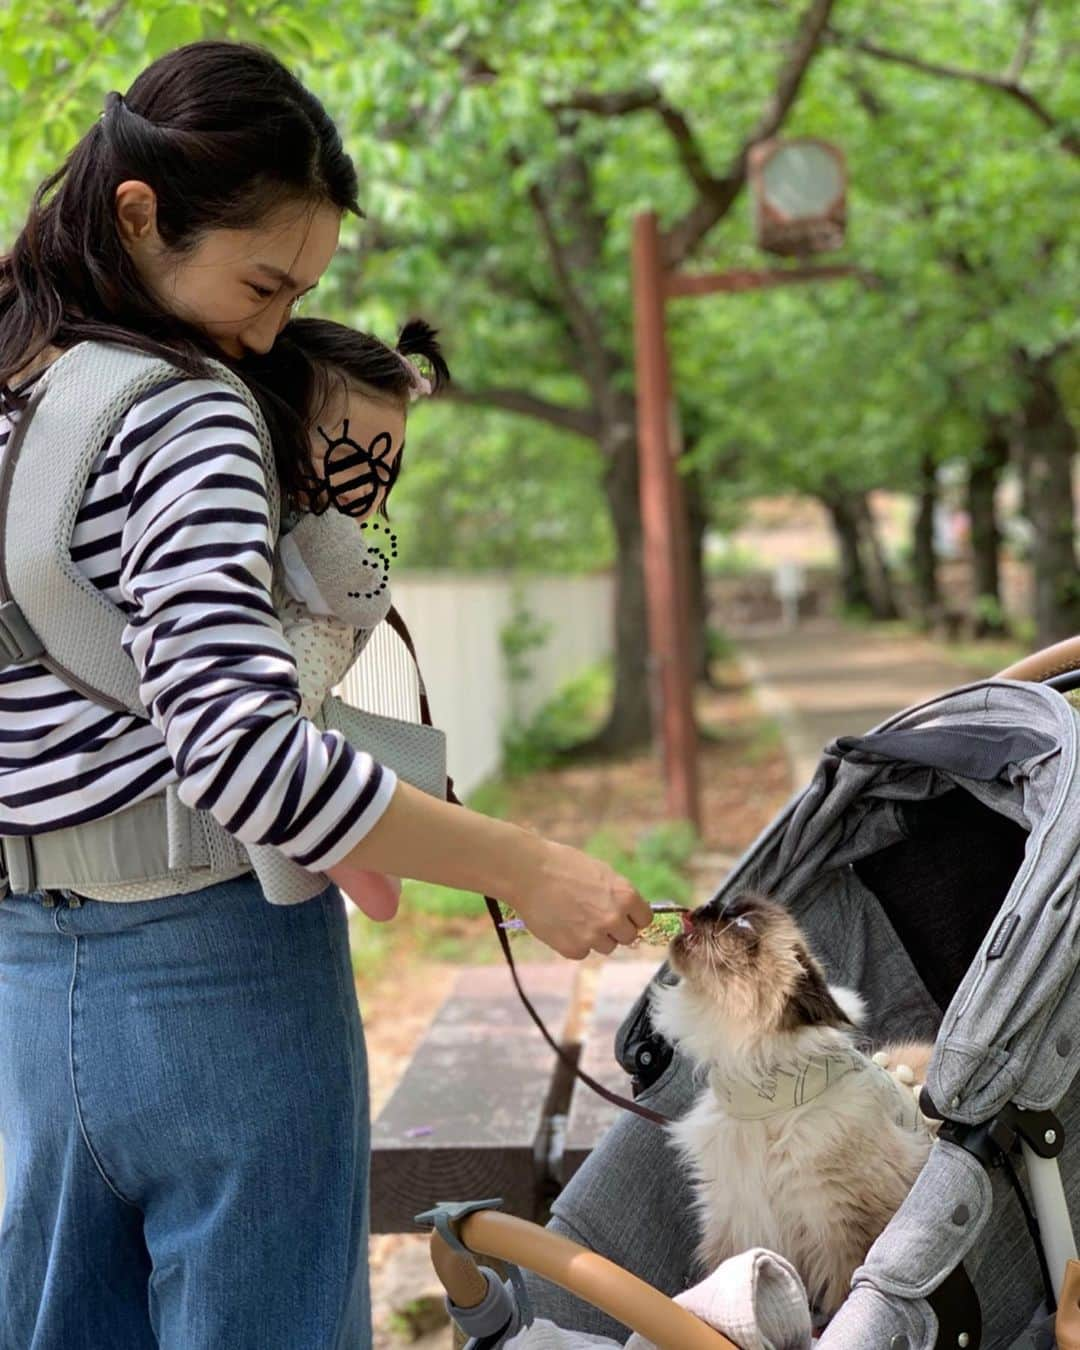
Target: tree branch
[[1001, 84], [615, 103], [713, 204], [579, 420], [583, 321], [620, 103], [581, 317], [715, 194], [1027, 43]]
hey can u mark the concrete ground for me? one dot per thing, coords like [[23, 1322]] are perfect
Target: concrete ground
[[826, 680]]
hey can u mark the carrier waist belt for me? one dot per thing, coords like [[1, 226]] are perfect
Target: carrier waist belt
[[131, 845]]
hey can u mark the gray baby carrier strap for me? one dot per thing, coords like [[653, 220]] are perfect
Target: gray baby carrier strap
[[51, 613]]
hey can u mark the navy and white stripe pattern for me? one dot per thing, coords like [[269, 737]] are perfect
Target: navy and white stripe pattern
[[174, 528]]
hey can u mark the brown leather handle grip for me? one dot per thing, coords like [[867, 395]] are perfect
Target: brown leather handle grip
[[579, 1271], [1056, 660], [458, 1275]]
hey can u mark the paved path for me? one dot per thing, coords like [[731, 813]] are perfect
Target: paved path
[[827, 680]]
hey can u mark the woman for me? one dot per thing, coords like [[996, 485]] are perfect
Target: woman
[[183, 1100]]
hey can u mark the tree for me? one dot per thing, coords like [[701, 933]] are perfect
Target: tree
[[1006, 233], [568, 144], [503, 151], [961, 206], [985, 469], [924, 558]]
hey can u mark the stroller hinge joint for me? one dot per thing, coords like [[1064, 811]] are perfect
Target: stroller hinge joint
[[1042, 1131]]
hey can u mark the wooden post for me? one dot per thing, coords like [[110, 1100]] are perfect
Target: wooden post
[[664, 526]]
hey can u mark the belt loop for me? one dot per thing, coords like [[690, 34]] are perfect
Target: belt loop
[[19, 862]]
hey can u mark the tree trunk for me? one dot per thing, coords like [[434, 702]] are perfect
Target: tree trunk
[[924, 559], [882, 591], [854, 587], [697, 519], [1047, 442], [984, 474], [629, 725]]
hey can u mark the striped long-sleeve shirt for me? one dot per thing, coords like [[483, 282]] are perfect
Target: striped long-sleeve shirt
[[174, 528]]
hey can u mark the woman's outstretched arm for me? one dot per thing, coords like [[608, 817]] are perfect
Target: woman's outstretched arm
[[574, 903]]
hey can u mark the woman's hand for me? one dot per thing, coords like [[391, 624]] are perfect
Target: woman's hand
[[374, 893], [577, 904]]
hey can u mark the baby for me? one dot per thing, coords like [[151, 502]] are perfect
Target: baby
[[355, 391]]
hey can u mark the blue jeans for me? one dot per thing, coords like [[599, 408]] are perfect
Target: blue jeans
[[184, 1120]]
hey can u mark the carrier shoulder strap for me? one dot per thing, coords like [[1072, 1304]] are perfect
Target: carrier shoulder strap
[[50, 612]]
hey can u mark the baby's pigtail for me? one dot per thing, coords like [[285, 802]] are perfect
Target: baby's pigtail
[[418, 338]]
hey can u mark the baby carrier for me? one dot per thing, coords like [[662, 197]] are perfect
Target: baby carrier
[[934, 864], [51, 613]]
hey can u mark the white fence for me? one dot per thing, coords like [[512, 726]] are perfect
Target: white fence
[[456, 620]]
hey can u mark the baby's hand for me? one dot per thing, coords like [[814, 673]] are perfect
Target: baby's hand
[[377, 894]]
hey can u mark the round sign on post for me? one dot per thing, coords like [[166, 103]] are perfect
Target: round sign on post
[[799, 189]]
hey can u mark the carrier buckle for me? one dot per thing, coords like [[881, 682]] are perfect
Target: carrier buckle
[[18, 641], [993, 1142], [448, 1213]]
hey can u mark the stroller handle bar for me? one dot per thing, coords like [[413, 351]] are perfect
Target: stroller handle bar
[[574, 1268], [1052, 665]]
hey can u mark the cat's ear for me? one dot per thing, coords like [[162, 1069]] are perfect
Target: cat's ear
[[852, 1003], [813, 1003]]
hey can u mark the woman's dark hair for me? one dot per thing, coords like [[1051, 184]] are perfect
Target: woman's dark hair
[[224, 134], [311, 356]]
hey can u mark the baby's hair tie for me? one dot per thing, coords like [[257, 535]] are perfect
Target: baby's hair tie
[[419, 385]]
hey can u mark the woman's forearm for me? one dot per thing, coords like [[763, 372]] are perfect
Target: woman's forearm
[[421, 837]]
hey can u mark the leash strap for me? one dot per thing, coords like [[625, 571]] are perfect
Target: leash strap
[[625, 1102], [397, 623]]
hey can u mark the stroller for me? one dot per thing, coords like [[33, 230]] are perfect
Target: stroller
[[934, 863]]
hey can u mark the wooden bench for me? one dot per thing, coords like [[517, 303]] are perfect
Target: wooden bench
[[590, 1116], [485, 1108]]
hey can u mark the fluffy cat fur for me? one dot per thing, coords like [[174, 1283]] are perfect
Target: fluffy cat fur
[[817, 1182]]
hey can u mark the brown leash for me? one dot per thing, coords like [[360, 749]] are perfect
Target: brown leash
[[397, 623]]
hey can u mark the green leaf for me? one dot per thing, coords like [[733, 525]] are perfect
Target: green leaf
[[175, 26], [17, 69]]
